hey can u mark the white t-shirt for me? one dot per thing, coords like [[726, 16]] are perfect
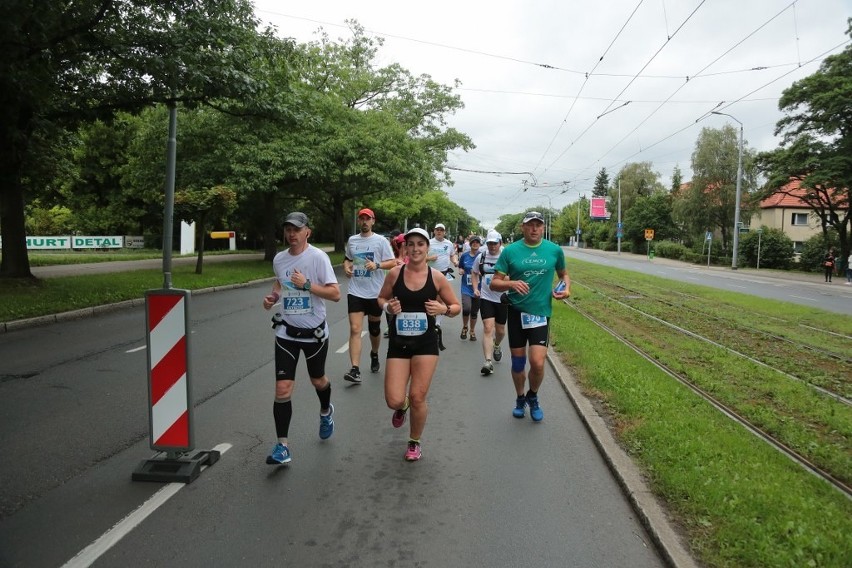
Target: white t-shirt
[[367, 283], [444, 249], [301, 308], [486, 293]]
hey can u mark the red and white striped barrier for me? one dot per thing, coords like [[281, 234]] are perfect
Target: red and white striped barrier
[[170, 408]]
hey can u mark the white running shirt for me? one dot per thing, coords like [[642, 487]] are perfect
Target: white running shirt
[[376, 248]]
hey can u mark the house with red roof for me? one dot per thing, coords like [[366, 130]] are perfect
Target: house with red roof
[[787, 211]]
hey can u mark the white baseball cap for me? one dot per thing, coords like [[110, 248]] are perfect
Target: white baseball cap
[[440, 226], [493, 237]]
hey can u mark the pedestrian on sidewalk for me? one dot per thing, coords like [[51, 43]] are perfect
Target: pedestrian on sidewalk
[[304, 280], [415, 294], [525, 271], [828, 265]]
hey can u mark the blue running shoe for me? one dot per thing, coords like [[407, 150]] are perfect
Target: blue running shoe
[[520, 405], [327, 424], [536, 413], [280, 454]]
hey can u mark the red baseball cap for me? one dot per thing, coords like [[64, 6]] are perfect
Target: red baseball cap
[[368, 212]]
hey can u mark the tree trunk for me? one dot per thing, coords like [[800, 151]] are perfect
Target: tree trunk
[[199, 238], [14, 139], [337, 223], [270, 227]]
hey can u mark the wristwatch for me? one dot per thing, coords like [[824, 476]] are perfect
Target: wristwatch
[[307, 285]]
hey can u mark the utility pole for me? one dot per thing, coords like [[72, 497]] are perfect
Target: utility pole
[[739, 189], [619, 228]]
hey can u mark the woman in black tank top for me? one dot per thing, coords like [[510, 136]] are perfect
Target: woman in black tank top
[[414, 294]]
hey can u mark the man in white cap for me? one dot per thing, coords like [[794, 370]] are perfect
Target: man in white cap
[[492, 311], [525, 270], [366, 258], [441, 254]]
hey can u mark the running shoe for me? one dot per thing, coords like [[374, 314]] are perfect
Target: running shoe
[[353, 375], [472, 335], [440, 338], [498, 353], [387, 334], [487, 368], [280, 454], [374, 362], [327, 424], [463, 333], [414, 453], [536, 413], [398, 418], [520, 405]]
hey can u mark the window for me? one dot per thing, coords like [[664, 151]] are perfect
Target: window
[[799, 219], [798, 246]]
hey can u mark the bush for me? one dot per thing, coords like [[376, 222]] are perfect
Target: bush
[[775, 249], [813, 252], [668, 249]]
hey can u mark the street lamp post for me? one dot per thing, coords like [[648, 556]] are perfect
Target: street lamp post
[[739, 190], [578, 219], [548, 228]]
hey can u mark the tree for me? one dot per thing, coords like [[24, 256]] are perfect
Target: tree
[[650, 212], [773, 245], [709, 202], [601, 184], [203, 206], [817, 143], [677, 179], [637, 180], [66, 63]]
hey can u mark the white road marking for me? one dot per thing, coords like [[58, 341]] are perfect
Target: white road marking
[[137, 349], [91, 553], [345, 347], [803, 298]]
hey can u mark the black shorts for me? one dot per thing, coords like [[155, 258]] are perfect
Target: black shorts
[[496, 310], [369, 306], [287, 356], [520, 337], [408, 347]]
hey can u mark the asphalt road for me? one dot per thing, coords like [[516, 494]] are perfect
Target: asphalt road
[[491, 490], [795, 287]]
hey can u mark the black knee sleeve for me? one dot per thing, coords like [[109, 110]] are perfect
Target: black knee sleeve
[[374, 327]]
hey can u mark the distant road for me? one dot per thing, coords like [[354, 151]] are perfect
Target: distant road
[[795, 287]]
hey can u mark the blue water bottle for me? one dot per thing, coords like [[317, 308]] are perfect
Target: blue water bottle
[[559, 287]]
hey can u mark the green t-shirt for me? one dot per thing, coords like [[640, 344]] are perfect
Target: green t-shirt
[[535, 265]]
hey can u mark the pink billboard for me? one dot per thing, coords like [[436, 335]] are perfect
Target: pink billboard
[[597, 210]]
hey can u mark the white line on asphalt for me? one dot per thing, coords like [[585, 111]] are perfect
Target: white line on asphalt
[[803, 298], [137, 349], [345, 347], [91, 553]]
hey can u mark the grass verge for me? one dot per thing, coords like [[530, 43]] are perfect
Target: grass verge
[[740, 502], [27, 299]]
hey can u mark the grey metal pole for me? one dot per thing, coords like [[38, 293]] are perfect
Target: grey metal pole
[[739, 190], [169, 208], [618, 229], [737, 205]]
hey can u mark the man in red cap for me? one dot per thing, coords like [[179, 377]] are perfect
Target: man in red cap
[[367, 256]]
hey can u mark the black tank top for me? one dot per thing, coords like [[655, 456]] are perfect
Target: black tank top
[[415, 300]]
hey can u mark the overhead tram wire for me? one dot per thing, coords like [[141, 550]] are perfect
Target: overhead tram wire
[[691, 77], [725, 105], [635, 76], [585, 81]]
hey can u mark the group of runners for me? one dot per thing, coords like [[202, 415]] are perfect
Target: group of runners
[[408, 279]]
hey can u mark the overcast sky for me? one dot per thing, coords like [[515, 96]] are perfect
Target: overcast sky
[[562, 88]]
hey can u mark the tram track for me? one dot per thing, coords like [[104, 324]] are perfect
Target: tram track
[[727, 410]]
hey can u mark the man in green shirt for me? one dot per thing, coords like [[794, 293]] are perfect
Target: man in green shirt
[[525, 271]]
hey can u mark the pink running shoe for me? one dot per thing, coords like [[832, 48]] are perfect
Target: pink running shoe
[[398, 418], [413, 454]]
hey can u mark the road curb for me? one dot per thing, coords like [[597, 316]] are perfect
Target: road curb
[[651, 514]]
